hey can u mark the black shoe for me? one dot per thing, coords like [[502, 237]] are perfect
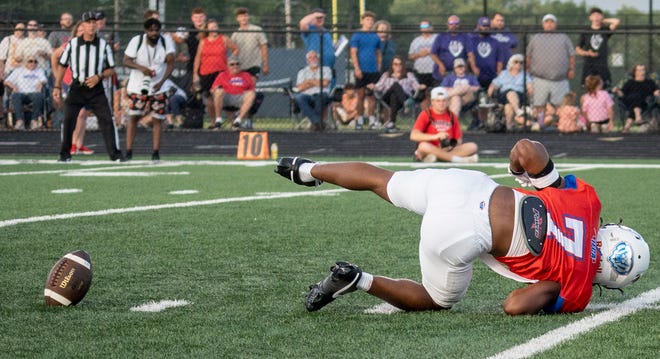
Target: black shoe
[[392, 129], [236, 125], [64, 159], [119, 157], [155, 156], [129, 155], [215, 125], [343, 278], [288, 168]]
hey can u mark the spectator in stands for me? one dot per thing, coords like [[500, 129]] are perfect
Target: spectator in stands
[[511, 87], [57, 38], [485, 55], [36, 47], [8, 60], [551, 62], [26, 83], [384, 31], [593, 46], [346, 111], [317, 38], [461, 86], [570, 119], [367, 56], [253, 44], [110, 36], [597, 105], [313, 89], [449, 46], [635, 94], [396, 86], [211, 60], [176, 101], [233, 88], [438, 133], [501, 33], [420, 52], [151, 60], [190, 36]]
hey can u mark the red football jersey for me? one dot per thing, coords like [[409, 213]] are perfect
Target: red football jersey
[[431, 122], [570, 255]]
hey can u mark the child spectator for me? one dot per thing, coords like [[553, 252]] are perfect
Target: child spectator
[[346, 111], [597, 105], [570, 119]]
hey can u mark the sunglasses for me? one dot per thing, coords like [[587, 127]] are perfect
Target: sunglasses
[[31, 61], [234, 64], [517, 62], [19, 29]]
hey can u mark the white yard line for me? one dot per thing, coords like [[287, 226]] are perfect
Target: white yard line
[[105, 212], [584, 325]]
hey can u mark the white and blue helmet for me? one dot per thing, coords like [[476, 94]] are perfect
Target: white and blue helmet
[[624, 257]]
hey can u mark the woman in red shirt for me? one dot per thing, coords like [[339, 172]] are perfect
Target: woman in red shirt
[[438, 134], [210, 60]]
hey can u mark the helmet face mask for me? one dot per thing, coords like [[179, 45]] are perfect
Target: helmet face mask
[[624, 258]]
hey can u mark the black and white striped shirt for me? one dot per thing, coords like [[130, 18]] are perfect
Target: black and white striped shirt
[[87, 58]]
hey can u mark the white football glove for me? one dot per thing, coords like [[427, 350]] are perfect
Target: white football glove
[[522, 178]]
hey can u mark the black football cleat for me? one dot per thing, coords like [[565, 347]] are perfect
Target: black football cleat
[[288, 168], [343, 278]]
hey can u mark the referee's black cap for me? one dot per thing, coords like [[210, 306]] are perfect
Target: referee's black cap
[[89, 15]]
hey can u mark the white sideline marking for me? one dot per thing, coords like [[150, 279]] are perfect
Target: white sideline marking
[[13, 222], [185, 191], [120, 174], [66, 190], [571, 331], [154, 306]]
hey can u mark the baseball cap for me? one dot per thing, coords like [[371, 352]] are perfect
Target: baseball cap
[[483, 21], [318, 9], [550, 17], [459, 62], [100, 15], [424, 25], [454, 22], [439, 93], [88, 15]]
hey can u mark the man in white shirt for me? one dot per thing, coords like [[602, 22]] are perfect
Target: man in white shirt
[[26, 83], [313, 95], [151, 60]]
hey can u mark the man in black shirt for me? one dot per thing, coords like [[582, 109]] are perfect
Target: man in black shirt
[[91, 60], [593, 46]]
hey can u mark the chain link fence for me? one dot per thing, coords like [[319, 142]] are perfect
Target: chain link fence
[[286, 52]]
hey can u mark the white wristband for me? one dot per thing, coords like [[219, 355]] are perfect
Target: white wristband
[[545, 181]]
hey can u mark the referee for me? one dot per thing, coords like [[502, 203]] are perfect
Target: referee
[[91, 60]]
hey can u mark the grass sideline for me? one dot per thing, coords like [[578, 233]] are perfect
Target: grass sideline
[[244, 266]]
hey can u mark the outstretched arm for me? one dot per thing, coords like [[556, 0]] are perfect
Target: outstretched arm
[[354, 176], [532, 298]]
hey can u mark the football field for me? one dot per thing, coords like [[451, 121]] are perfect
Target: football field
[[211, 257]]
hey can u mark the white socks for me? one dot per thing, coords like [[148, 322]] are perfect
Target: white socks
[[305, 172], [365, 281], [218, 120]]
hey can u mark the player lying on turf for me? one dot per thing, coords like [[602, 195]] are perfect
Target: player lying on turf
[[546, 238]]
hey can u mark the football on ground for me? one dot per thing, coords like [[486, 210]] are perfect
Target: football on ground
[[69, 280]]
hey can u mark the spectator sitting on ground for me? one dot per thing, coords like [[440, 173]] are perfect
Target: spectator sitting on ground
[[511, 85], [26, 83], [438, 133], [346, 111], [570, 119], [397, 85], [312, 95], [461, 86], [635, 93], [233, 88], [597, 105]]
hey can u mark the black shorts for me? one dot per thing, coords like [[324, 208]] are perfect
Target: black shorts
[[205, 82], [367, 78], [501, 97], [254, 70], [426, 79]]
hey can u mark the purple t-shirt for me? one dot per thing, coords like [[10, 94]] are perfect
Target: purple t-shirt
[[366, 44], [487, 53], [452, 80], [449, 47]]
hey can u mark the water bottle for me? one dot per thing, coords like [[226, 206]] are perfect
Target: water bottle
[[482, 98], [146, 83], [274, 151]]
